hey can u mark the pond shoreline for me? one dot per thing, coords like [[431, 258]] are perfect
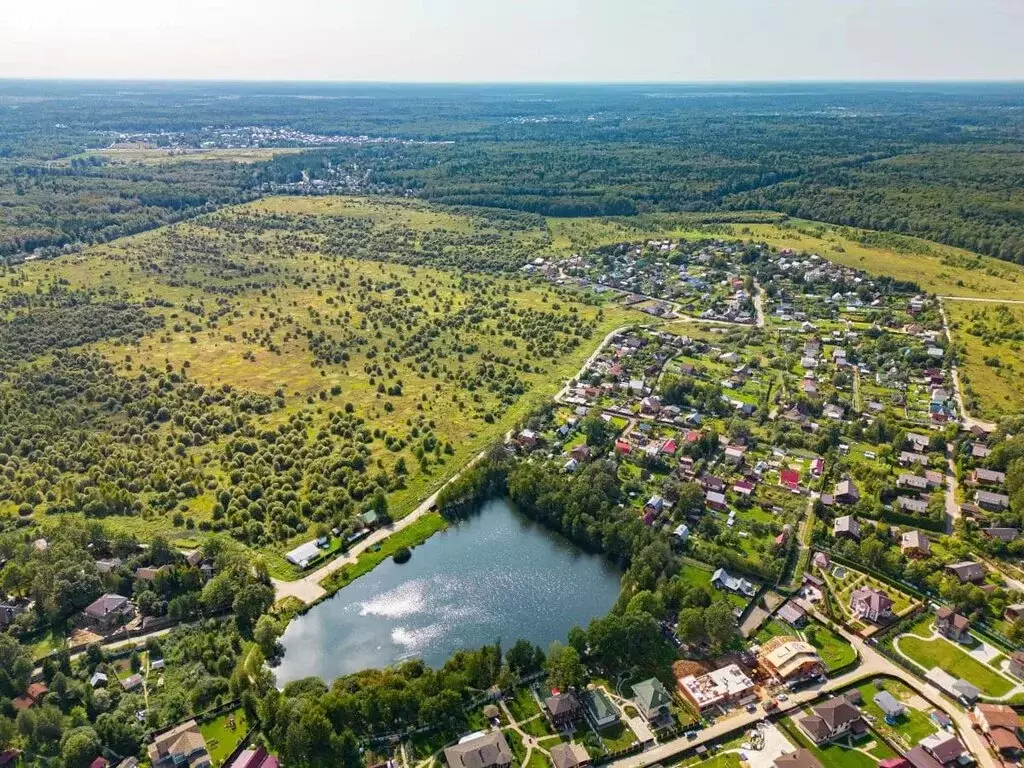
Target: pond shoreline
[[494, 574]]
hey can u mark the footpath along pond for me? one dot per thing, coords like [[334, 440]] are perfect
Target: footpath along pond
[[496, 575]]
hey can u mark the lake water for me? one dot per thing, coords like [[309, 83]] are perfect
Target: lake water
[[494, 576]]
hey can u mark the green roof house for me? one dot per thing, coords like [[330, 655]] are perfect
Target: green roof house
[[600, 710], [651, 698]]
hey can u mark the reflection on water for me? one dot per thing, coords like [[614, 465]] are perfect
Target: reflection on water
[[494, 576]]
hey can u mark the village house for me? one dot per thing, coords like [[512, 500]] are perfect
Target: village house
[[480, 750], [911, 505], [982, 476], [562, 710], [792, 614], [871, 605], [944, 747], [846, 492], [33, 694], [913, 482], [952, 625], [993, 502], [181, 745], [150, 575], [1001, 725], [967, 571], [1013, 612], [527, 439], [570, 755], [914, 544], [598, 708], [108, 612], [721, 579], [832, 720], [1005, 535], [255, 758], [846, 527], [1017, 664], [789, 478], [716, 500], [801, 758], [651, 699], [10, 609]]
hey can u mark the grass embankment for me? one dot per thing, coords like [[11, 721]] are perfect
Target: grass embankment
[[946, 656], [410, 536]]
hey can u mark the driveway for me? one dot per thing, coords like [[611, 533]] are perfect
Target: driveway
[[775, 746]]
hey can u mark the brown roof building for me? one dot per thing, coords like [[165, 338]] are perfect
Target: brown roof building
[[802, 758], [1000, 724], [570, 755], [182, 745], [485, 751], [836, 717]]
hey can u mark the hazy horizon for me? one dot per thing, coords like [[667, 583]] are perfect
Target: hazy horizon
[[529, 42]]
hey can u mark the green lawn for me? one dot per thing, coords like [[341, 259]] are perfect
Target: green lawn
[[522, 705], [538, 727], [617, 737], [221, 739], [943, 654], [911, 727], [835, 652]]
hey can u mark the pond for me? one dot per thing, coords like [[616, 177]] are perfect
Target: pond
[[494, 576]]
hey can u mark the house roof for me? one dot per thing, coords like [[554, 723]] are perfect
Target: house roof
[[944, 747], [802, 758], [480, 751], [967, 570], [598, 704], [651, 694], [569, 755], [915, 540], [846, 524], [919, 758], [790, 612], [105, 605], [255, 758], [888, 704], [1001, 723], [836, 712], [561, 704]]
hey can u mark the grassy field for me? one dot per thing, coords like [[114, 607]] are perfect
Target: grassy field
[[943, 654], [992, 355], [266, 299], [940, 269]]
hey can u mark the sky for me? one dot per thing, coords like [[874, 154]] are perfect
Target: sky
[[514, 40]]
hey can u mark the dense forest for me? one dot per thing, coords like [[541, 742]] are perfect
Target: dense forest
[[940, 161]]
